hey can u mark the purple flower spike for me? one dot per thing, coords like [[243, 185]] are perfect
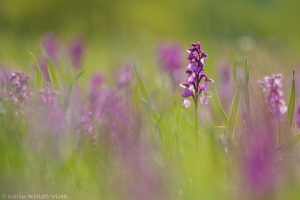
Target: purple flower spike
[[125, 75], [76, 52], [18, 90], [169, 55], [95, 93], [50, 44], [272, 89], [43, 65], [197, 81], [48, 97], [96, 81], [86, 122], [186, 103], [188, 92], [226, 90]]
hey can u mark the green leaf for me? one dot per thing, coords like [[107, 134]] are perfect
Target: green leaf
[[218, 106], [145, 97], [234, 109], [53, 75], [38, 82], [291, 105], [246, 87], [71, 87], [141, 84]]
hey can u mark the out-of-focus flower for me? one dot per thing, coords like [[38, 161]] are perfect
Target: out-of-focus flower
[[48, 97], [260, 161], [226, 90], [76, 52], [43, 65], [50, 44], [95, 83], [52, 116], [86, 122], [170, 57], [297, 117], [4, 77], [197, 81], [90, 113], [125, 75], [18, 88], [272, 89]]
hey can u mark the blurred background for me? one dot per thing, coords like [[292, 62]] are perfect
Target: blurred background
[[133, 27], [265, 32]]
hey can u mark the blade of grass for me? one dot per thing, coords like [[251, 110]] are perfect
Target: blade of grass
[[71, 87], [145, 97], [246, 87], [219, 108], [38, 82], [291, 105], [234, 109], [53, 75]]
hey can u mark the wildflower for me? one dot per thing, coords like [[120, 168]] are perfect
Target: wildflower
[[4, 77], [272, 89], [125, 75], [48, 97], [197, 81], [50, 45], [170, 56], [261, 165], [94, 96], [76, 51], [43, 65], [186, 103], [86, 122], [18, 89], [226, 91]]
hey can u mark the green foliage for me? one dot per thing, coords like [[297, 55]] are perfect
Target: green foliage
[[292, 102], [38, 81], [53, 75], [234, 109]]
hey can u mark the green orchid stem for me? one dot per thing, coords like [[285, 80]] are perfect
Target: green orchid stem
[[196, 117]]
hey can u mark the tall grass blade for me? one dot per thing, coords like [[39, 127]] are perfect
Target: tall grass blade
[[246, 87], [67, 99], [234, 109], [219, 108], [291, 105], [145, 97], [53, 75], [38, 81]]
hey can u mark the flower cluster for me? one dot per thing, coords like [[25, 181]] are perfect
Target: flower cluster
[[197, 81], [125, 75], [48, 97], [18, 89], [51, 46], [76, 52], [272, 89], [226, 90], [169, 55]]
